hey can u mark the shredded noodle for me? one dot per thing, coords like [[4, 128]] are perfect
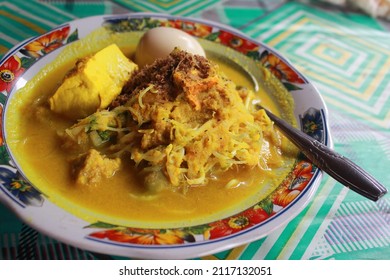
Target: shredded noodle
[[205, 126]]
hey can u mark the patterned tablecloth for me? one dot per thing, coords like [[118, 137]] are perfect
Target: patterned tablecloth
[[347, 56]]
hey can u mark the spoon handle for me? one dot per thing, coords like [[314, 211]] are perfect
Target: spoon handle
[[339, 167]]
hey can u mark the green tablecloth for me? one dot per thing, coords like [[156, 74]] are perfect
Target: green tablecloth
[[346, 54]]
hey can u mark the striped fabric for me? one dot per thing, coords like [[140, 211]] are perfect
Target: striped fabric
[[29, 245]]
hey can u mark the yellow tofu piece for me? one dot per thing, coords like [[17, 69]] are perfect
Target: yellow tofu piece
[[91, 168], [93, 83]]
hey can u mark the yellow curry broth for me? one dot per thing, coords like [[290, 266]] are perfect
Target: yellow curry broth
[[121, 199]]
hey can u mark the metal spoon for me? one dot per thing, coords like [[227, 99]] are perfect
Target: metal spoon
[[337, 166]]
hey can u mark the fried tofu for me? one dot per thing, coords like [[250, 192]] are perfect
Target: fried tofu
[[92, 167], [93, 83]]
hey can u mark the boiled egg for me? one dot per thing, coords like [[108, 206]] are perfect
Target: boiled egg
[[159, 42]]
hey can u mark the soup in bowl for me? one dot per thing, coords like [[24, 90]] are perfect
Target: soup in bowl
[[178, 155]]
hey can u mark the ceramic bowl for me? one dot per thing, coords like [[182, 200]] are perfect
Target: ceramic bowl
[[20, 64]]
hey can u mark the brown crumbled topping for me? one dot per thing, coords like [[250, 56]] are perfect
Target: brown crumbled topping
[[161, 75]]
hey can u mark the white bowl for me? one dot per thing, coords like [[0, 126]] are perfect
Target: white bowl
[[193, 241]]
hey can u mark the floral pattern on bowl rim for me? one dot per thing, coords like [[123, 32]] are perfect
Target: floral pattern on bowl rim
[[251, 224]]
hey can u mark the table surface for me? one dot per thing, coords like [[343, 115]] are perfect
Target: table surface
[[345, 53]]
